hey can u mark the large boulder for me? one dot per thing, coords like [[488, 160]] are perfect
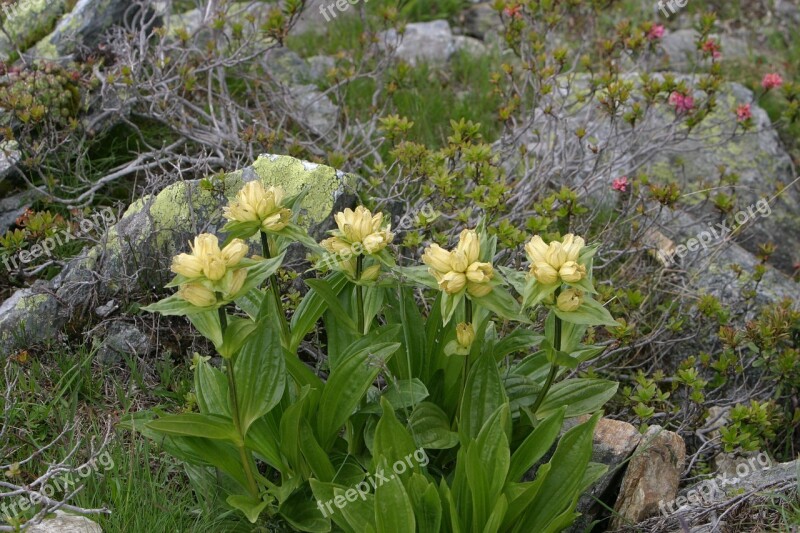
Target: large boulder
[[26, 23], [135, 254], [84, 26], [427, 42]]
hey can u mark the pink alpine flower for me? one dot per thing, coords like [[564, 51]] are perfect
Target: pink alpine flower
[[620, 184], [744, 113], [513, 11], [771, 81], [682, 102], [711, 47], [656, 32]]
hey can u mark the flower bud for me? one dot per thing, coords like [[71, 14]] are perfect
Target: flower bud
[[233, 282], [234, 252], [569, 300], [205, 244], [470, 245], [478, 289], [465, 334], [555, 255], [458, 261], [437, 258], [335, 245], [536, 250], [214, 267], [544, 273], [453, 282], [572, 272], [187, 265], [572, 245], [196, 294], [371, 273], [480, 272]]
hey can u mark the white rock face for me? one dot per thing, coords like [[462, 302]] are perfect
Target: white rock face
[[66, 523], [431, 42]]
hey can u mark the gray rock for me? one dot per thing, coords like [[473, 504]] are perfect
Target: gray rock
[[134, 258], [12, 208], [65, 523], [319, 66], [9, 156], [313, 108], [85, 26], [122, 339], [481, 21], [430, 42], [652, 476], [27, 22]]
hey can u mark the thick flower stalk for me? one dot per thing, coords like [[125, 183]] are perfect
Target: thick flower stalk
[[557, 261], [459, 269], [260, 207], [210, 275]]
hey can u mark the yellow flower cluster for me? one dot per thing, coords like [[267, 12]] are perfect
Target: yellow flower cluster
[[359, 232], [460, 268], [556, 260], [256, 203], [569, 300], [210, 271]]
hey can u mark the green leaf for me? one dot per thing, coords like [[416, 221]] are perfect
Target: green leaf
[[516, 341], [590, 313], [535, 292], [250, 302], [418, 275], [211, 388], [426, 503], [430, 427], [174, 305], [392, 440], [401, 394], [580, 396], [207, 323], [559, 492], [496, 518], [260, 372], [535, 445], [258, 270], [303, 514], [326, 292], [501, 303], [402, 309], [393, 510], [196, 425], [450, 303], [314, 455], [520, 495], [311, 308], [345, 387], [515, 278], [251, 507], [483, 395], [262, 438], [237, 332]]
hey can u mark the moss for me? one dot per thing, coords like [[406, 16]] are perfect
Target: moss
[[323, 182], [31, 21]]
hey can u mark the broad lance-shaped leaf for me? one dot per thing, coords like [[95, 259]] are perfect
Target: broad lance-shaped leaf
[[197, 425], [535, 445], [483, 395], [393, 510], [260, 372], [345, 387], [581, 396], [311, 308]]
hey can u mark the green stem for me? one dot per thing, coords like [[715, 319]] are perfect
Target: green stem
[[251, 481], [551, 376], [276, 295], [360, 294]]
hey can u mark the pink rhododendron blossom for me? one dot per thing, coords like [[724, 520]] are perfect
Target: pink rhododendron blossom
[[743, 113], [771, 81], [711, 47], [656, 32], [620, 184], [682, 102], [513, 11]]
